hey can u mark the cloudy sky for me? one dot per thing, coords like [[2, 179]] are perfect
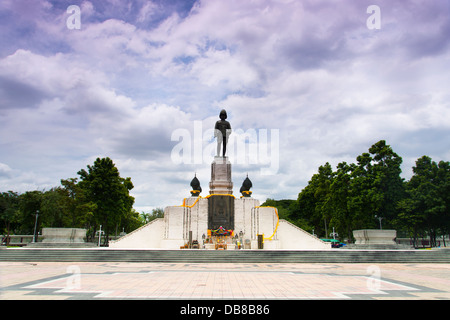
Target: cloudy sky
[[314, 81]]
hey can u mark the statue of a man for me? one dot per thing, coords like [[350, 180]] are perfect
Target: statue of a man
[[222, 131]]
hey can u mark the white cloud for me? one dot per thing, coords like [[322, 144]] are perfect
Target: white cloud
[[147, 11], [120, 86], [5, 170]]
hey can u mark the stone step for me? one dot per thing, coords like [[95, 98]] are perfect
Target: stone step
[[226, 256]]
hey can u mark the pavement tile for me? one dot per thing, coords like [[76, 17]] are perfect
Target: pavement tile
[[23, 281]]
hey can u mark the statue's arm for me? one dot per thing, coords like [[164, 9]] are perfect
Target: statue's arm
[[216, 129], [228, 129]]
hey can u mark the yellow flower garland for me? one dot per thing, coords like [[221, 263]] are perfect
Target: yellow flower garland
[[198, 198], [278, 222]]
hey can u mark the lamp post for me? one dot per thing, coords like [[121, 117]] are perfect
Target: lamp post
[[379, 219], [35, 227], [334, 234], [100, 232]]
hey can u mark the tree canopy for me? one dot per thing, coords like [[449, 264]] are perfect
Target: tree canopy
[[100, 196], [359, 195], [107, 192]]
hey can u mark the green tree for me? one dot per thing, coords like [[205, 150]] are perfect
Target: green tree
[[54, 208], [386, 181], [149, 217], [80, 210], [29, 205], [109, 192], [285, 209], [377, 186], [9, 203], [340, 194], [443, 192], [354, 194], [411, 217], [313, 202], [425, 209], [360, 201]]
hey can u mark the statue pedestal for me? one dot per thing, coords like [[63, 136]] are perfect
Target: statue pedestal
[[221, 176], [221, 205]]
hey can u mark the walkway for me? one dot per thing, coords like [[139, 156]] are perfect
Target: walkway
[[185, 281]]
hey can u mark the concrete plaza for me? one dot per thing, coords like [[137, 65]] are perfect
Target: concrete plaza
[[229, 281]]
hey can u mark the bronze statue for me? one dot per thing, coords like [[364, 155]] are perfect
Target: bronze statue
[[222, 131]]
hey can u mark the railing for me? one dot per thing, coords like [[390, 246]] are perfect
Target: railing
[[19, 239], [423, 243]]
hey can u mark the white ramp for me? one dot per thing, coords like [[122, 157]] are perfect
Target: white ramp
[[293, 237], [147, 236]]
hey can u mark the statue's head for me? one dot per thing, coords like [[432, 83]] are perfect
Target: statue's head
[[223, 114]]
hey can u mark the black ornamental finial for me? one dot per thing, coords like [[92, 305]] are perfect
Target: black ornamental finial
[[245, 189], [196, 189]]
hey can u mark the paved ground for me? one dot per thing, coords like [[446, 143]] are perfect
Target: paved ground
[[183, 281]]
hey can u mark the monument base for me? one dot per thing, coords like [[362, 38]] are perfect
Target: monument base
[[375, 236], [63, 235], [62, 238], [375, 239], [180, 222]]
